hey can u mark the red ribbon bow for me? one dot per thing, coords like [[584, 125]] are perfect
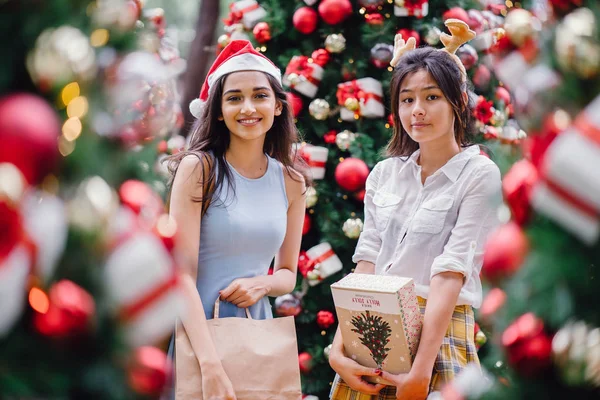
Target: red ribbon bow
[[235, 16], [299, 65]]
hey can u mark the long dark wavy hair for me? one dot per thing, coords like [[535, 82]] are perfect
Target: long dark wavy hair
[[210, 140], [445, 72]]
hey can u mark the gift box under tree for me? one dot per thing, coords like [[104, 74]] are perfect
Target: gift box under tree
[[303, 76], [360, 98]]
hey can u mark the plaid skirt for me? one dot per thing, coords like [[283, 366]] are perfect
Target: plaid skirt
[[457, 350]]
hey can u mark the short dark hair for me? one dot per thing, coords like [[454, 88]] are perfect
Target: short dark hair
[[448, 76]]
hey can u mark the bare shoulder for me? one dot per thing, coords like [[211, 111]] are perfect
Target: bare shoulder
[[190, 172], [295, 185]]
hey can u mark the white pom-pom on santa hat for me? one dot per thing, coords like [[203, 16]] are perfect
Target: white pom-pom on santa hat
[[196, 107], [238, 55]]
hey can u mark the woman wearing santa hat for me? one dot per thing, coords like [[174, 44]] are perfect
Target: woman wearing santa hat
[[238, 200]]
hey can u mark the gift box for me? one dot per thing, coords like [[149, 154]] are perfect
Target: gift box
[[411, 8], [316, 158], [569, 191], [323, 262], [360, 98], [248, 12], [380, 321], [142, 287], [303, 76]]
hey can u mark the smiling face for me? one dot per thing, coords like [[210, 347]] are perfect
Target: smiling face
[[249, 105], [425, 113]]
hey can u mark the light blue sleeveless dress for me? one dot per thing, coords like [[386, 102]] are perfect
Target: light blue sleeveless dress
[[239, 237]]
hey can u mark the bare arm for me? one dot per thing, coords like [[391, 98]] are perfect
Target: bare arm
[[187, 214]]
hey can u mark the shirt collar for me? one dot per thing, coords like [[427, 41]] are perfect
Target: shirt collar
[[454, 166]]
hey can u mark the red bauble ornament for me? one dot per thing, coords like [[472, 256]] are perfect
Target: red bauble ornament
[[70, 311], [482, 77], [304, 263], [562, 6], [457, 13], [503, 95], [325, 319], [306, 362], [351, 174], [162, 147], [139, 196], [262, 32], [12, 228], [408, 33], [307, 224], [295, 102], [517, 186], [335, 11], [320, 57], [305, 20], [505, 251], [329, 137], [528, 347], [29, 131], [374, 19], [468, 55], [492, 302], [149, 371], [360, 195]]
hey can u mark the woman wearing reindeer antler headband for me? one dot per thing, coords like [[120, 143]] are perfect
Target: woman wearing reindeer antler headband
[[429, 208]]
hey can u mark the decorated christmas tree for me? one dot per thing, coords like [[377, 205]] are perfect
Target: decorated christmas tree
[[335, 58], [374, 333], [88, 281], [541, 266]]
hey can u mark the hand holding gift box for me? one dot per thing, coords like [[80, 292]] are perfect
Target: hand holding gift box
[[380, 321]]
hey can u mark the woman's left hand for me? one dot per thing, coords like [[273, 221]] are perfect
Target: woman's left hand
[[411, 386], [245, 292]]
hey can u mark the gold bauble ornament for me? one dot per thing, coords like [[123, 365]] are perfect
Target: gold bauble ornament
[[94, 204], [344, 139], [327, 351], [352, 228], [319, 109], [224, 40], [311, 197], [519, 26], [61, 55], [293, 79], [352, 104], [432, 37], [480, 338], [576, 45], [335, 43]]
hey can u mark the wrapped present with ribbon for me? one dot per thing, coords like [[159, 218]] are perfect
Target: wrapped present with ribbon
[[316, 158], [360, 98], [303, 76], [569, 188], [248, 12], [324, 263], [142, 285], [411, 8]]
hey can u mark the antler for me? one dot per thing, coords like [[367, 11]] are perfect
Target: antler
[[401, 47], [460, 33]]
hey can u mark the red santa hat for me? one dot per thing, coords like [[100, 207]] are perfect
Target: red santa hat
[[238, 55]]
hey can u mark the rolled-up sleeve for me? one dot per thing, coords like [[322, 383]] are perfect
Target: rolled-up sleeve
[[477, 218], [369, 243]]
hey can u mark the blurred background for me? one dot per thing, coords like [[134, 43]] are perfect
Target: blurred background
[[94, 95]]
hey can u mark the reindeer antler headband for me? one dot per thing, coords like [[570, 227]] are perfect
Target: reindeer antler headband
[[460, 33]]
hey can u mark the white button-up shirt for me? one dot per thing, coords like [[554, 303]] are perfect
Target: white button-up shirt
[[419, 230]]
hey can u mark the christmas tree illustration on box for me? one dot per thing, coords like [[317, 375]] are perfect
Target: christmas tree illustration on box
[[374, 333]]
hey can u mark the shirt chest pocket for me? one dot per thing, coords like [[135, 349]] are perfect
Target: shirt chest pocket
[[385, 205], [431, 216]]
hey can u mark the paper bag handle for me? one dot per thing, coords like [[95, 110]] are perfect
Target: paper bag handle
[[216, 310]]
